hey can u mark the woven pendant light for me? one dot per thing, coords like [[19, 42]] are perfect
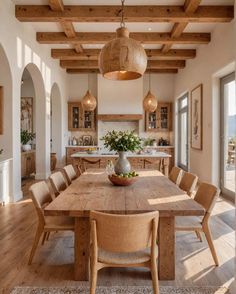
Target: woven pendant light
[[150, 101], [122, 58], [89, 102]]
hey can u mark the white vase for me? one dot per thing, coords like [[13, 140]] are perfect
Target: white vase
[[122, 165], [26, 147]]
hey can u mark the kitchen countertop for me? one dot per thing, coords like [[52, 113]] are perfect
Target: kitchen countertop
[[155, 155]]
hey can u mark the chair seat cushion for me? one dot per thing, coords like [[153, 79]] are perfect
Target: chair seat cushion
[[124, 258], [188, 222], [59, 222]]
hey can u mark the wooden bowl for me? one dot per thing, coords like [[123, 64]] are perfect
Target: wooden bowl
[[122, 181]]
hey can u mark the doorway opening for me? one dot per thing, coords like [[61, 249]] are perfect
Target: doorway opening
[[228, 135], [182, 156]]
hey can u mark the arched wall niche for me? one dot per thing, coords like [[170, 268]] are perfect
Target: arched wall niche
[[42, 123]]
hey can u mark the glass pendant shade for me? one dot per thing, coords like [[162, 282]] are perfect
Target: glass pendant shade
[[89, 102], [150, 102], [122, 58]]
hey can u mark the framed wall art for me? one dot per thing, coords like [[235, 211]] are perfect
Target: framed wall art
[[196, 117], [27, 114]]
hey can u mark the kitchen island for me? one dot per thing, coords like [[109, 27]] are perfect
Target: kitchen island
[[157, 160]]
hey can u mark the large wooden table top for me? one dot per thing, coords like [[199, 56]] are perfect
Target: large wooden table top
[[152, 191]]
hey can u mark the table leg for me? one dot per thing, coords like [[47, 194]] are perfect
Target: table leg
[[166, 244], [166, 163], [82, 244]]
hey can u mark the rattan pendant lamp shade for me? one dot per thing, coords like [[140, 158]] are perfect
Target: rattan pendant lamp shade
[[150, 101], [89, 102], [122, 58]]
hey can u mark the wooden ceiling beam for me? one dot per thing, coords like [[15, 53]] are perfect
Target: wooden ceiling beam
[[152, 64], [112, 13], [67, 26], [56, 5], [155, 71], [92, 54], [101, 38], [190, 6]]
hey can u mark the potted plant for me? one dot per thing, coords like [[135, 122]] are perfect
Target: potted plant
[[26, 137], [122, 142]]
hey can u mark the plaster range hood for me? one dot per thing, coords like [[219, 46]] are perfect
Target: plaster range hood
[[119, 117]]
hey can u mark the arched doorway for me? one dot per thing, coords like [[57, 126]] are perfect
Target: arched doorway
[[6, 130], [56, 122], [41, 120]]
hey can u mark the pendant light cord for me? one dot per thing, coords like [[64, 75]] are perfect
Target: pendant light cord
[[122, 23]]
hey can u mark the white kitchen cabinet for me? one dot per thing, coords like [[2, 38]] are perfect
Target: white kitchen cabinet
[[4, 181]]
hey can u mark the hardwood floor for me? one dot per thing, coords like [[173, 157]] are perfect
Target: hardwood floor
[[52, 265]]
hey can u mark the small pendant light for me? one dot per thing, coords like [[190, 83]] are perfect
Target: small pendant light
[[89, 102], [122, 58], [150, 101]]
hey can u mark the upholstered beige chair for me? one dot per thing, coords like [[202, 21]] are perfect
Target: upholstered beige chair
[[206, 196], [176, 175], [85, 164], [188, 183], [41, 197], [123, 241], [70, 173], [58, 182]]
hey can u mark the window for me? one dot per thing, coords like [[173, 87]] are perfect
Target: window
[[228, 135], [182, 139]]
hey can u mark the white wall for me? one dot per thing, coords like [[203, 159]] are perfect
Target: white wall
[[206, 68], [19, 43], [120, 97]]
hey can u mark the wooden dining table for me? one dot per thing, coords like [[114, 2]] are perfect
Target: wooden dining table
[[152, 191]]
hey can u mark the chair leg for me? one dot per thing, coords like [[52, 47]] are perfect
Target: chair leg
[[93, 278], [154, 273], [198, 234], [44, 238], [35, 244], [48, 234], [207, 233]]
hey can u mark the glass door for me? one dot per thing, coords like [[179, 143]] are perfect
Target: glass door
[[183, 132], [228, 135]]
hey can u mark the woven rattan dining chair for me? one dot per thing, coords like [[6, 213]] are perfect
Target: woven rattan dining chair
[[188, 183], [85, 163], [176, 175], [206, 196], [58, 182], [41, 197], [123, 241], [70, 173]]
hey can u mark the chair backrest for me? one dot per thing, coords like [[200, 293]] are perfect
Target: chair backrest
[[125, 233], [70, 173], [41, 197], [188, 183], [206, 196], [176, 175], [58, 182]]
